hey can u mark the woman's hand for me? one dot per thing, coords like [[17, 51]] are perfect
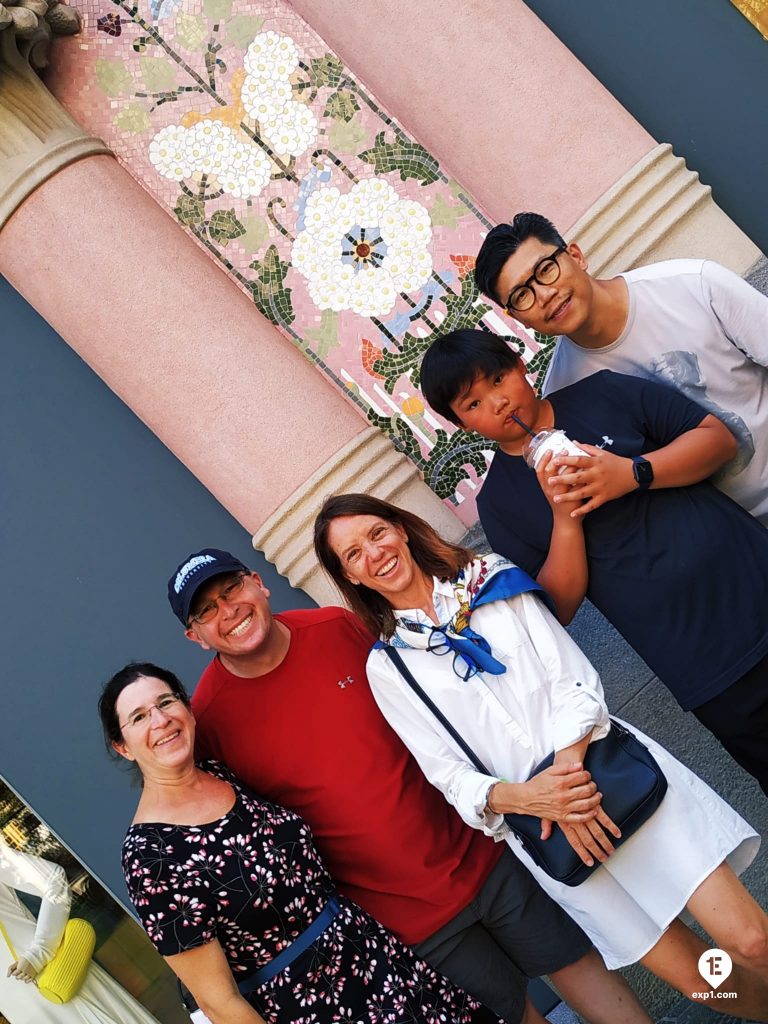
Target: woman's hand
[[591, 840], [562, 793], [591, 479], [22, 970]]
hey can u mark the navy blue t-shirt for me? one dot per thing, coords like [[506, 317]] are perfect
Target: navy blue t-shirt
[[681, 572]]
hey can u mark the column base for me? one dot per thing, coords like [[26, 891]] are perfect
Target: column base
[[366, 464], [659, 210]]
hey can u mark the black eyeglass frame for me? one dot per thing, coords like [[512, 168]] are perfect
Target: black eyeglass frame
[[509, 305], [234, 586], [438, 644]]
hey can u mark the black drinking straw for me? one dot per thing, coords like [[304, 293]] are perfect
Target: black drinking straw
[[520, 423]]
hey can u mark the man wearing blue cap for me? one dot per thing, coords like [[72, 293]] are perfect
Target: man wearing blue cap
[[286, 705]]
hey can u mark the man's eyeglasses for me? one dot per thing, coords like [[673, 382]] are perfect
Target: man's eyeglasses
[[229, 591], [165, 704], [546, 271]]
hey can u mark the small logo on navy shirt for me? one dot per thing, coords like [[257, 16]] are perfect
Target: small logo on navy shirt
[[607, 441]]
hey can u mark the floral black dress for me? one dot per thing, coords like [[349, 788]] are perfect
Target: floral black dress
[[254, 881]]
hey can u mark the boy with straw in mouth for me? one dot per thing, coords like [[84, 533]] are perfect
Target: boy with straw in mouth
[[634, 524]]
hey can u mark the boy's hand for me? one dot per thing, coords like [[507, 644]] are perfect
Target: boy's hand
[[556, 491], [592, 479]]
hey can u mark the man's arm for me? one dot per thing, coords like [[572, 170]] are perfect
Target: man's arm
[[602, 476]]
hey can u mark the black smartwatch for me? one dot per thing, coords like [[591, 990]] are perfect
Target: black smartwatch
[[643, 471]]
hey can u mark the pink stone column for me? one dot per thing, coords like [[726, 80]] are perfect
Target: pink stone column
[[184, 347], [165, 329], [523, 125], [488, 89]]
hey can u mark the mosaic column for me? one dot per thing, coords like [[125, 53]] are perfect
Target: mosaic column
[[341, 170], [527, 127], [336, 224], [140, 301]]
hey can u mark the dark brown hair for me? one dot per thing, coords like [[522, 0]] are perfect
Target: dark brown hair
[[131, 673], [432, 554]]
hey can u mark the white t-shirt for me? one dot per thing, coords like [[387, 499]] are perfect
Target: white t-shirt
[[700, 328]]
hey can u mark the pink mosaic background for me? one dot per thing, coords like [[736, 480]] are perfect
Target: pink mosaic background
[[345, 232]]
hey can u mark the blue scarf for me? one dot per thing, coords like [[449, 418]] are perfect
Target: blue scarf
[[486, 579]]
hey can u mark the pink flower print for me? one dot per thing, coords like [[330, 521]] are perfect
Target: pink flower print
[[189, 909]]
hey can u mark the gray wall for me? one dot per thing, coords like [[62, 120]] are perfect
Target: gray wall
[[95, 513], [693, 73]]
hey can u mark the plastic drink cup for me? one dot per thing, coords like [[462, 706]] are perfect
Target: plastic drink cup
[[555, 441]]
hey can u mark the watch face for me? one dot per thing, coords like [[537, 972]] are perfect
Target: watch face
[[643, 471]]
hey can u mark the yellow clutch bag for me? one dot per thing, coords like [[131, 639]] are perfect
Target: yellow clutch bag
[[62, 978]]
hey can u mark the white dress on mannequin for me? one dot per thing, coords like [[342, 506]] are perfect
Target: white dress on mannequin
[[101, 1000]]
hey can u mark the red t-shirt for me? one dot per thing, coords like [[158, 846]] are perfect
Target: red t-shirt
[[310, 736]]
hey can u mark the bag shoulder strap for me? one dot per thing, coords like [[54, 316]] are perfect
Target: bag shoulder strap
[[405, 672]]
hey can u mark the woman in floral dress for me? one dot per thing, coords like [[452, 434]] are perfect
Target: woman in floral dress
[[225, 881]]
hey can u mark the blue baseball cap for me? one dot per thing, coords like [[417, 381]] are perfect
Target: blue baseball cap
[[195, 570]]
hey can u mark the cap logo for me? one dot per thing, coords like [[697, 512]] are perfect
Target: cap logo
[[189, 569]]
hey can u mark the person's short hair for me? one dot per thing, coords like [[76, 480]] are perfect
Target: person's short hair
[[455, 361], [130, 673], [432, 554], [504, 240]]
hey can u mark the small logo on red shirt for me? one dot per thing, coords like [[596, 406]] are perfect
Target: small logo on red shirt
[[345, 682]]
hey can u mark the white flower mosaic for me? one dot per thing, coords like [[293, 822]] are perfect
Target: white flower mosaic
[[211, 147], [359, 250], [287, 126]]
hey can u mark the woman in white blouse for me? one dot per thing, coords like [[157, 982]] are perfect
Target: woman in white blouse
[[101, 1000], [526, 690]]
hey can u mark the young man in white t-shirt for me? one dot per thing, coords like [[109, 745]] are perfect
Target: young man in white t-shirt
[[691, 324]]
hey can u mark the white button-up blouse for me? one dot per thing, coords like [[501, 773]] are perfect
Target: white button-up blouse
[[549, 698]]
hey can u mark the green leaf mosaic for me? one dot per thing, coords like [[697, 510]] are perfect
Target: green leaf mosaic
[[341, 105], [241, 29], [189, 210], [134, 119], [159, 74], [269, 292], [403, 155], [346, 232], [224, 226], [326, 71], [113, 77]]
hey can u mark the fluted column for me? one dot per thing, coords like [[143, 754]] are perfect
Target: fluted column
[[37, 136], [659, 210]]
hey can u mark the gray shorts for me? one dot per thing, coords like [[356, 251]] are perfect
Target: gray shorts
[[511, 931]]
